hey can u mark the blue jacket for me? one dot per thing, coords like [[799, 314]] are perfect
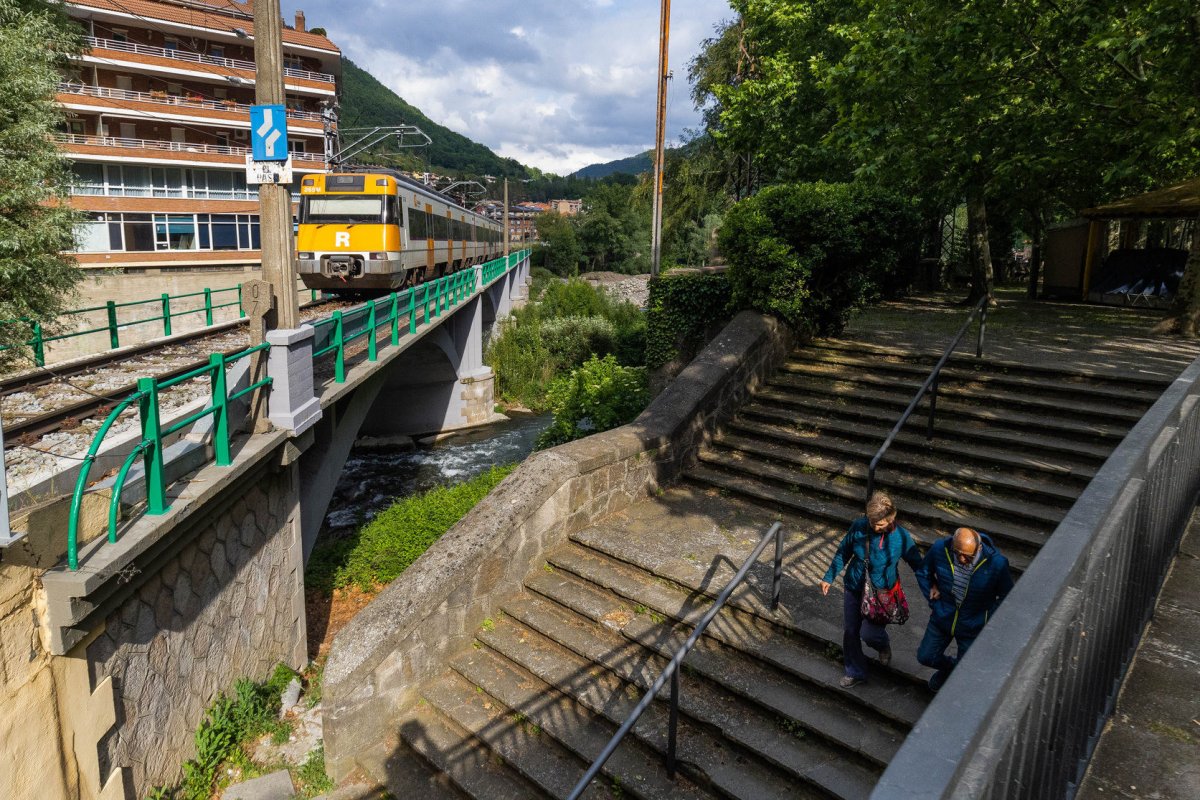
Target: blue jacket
[[861, 546], [989, 585]]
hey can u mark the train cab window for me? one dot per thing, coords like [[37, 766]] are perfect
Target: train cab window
[[345, 209], [391, 211]]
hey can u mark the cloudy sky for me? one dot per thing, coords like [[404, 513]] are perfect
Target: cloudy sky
[[555, 84]]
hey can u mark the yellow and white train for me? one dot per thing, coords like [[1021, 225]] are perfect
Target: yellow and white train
[[379, 231]]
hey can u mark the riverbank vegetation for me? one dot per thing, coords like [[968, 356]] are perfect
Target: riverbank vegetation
[[381, 549], [567, 323]]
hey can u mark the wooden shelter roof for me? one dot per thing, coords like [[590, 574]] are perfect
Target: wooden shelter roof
[[1172, 202]]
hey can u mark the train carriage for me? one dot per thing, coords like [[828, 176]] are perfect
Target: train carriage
[[377, 231]]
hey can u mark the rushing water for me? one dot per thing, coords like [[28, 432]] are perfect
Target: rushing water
[[373, 479]]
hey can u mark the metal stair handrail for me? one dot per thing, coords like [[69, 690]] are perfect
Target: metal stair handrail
[[930, 387], [672, 669]]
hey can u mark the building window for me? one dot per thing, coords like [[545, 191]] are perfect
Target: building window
[[120, 35], [138, 232], [92, 236], [170, 43], [216, 51], [174, 232]]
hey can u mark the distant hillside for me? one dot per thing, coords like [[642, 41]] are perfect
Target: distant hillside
[[366, 103], [634, 165]]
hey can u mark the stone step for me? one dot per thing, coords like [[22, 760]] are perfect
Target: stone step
[[915, 512], [634, 767], [786, 426], [521, 746], [867, 355], [463, 759], [609, 675], [781, 464], [844, 722], [813, 413], [833, 379], [1019, 544], [841, 455], [796, 638], [403, 773], [950, 414]]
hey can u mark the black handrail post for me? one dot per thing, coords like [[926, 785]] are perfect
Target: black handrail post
[[933, 394], [673, 724], [777, 581], [982, 328]]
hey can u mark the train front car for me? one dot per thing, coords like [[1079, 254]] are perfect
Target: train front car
[[351, 234]]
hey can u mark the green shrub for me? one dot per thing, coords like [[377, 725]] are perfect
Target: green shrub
[[539, 279], [597, 396], [573, 320], [681, 308], [813, 252], [384, 547], [571, 340]]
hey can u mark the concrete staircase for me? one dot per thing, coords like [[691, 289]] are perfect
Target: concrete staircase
[[547, 682]]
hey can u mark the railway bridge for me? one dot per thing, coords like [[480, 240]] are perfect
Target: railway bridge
[[188, 522]]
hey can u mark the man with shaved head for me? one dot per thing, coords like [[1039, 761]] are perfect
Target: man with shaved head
[[967, 577]]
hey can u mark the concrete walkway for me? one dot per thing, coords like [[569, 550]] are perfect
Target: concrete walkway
[[1102, 339], [1151, 746]]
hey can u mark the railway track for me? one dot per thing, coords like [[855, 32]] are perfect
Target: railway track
[[27, 429]]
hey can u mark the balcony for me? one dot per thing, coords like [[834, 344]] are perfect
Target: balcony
[[65, 87], [197, 58], [231, 154]]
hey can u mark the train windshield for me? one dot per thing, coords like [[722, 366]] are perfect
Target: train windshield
[[342, 209]]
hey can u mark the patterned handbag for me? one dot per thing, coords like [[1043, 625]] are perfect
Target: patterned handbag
[[884, 607]]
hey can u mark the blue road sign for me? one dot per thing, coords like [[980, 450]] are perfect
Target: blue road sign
[[268, 133]]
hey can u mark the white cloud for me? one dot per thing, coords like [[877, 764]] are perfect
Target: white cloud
[[556, 85]]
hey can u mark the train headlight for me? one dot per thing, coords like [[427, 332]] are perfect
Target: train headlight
[[378, 256], [304, 256]]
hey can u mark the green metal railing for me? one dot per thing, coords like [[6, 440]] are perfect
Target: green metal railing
[[420, 304], [168, 306], [150, 448], [416, 305]]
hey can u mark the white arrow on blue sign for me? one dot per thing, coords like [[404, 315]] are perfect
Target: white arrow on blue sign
[[268, 133]]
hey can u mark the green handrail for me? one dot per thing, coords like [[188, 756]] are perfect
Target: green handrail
[[38, 339], [150, 448], [431, 299]]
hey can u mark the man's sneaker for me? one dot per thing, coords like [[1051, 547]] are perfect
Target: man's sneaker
[[846, 682], [936, 681], [885, 656]]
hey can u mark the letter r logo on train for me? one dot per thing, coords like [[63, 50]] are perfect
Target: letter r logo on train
[[341, 239]]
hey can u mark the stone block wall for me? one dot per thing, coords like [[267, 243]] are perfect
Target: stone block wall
[[227, 604], [410, 630]]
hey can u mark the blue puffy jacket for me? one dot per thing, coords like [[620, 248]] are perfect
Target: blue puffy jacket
[[990, 584], [862, 546]]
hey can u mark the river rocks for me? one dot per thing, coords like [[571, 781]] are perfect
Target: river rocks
[[629, 288]]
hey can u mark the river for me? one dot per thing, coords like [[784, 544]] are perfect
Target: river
[[374, 479]]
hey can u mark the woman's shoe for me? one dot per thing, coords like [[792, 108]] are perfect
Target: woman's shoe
[[885, 656], [846, 682]]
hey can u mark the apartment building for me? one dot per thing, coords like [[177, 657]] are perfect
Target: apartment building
[[158, 129]]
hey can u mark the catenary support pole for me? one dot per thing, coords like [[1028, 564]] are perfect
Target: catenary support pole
[[275, 201], [659, 136], [507, 243]]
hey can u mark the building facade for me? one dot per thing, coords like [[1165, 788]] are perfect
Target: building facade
[[158, 129]]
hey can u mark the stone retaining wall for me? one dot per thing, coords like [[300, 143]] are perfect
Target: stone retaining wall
[[408, 632], [226, 605]]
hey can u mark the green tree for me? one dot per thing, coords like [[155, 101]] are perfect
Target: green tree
[[559, 243], [36, 222]]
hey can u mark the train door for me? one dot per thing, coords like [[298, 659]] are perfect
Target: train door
[[430, 258]]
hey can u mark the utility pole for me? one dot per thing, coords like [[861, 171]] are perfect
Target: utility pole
[[507, 244], [659, 135], [275, 200]]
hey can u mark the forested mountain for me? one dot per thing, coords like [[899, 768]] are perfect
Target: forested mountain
[[633, 165], [366, 102]]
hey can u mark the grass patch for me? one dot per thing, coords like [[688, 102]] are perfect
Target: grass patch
[[311, 775], [386, 546]]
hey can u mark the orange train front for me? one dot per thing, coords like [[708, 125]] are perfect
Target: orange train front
[[379, 231]]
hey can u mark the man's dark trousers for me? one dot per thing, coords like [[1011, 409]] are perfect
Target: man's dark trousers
[[932, 652]]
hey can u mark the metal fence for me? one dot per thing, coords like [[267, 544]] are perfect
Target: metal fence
[[1021, 715]]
